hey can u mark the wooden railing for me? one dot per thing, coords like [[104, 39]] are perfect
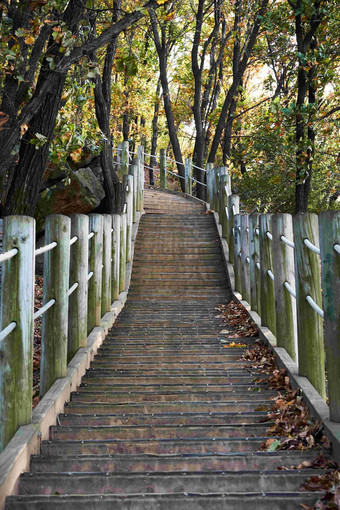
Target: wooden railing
[[288, 269], [84, 272]]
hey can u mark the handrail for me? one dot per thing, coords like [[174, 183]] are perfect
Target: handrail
[[6, 331], [8, 255], [45, 249], [44, 309], [311, 246]]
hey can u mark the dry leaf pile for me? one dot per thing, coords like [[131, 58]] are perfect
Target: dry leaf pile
[[235, 315], [38, 298]]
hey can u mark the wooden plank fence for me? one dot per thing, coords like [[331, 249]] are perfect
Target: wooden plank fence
[[288, 269], [84, 271]]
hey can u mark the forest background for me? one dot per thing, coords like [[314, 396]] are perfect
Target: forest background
[[253, 85]]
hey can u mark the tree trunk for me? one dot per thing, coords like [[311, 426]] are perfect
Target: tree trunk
[[154, 138], [162, 51]]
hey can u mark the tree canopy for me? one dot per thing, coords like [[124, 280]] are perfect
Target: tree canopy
[[253, 85]]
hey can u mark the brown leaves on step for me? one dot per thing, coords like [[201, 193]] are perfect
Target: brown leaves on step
[[236, 316], [291, 420], [329, 482]]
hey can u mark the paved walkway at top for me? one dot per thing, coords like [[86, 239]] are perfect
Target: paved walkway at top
[[166, 417]]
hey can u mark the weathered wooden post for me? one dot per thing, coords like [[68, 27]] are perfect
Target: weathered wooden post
[[128, 181], [122, 258], [309, 322], [284, 283], [254, 256], [245, 260], [17, 306], [125, 158], [134, 173], [107, 254], [237, 252], [140, 151], [56, 285], [95, 268], [329, 224], [188, 175], [215, 179], [233, 208], [210, 185], [77, 323], [162, 168], [224, 193], [116, 221], [268, 314]]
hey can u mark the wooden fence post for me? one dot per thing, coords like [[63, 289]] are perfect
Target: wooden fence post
[[268, 315], [254, 255], [95, 267], [162, 168], [210, 186], [237, 250], [245, 275], [125, 158], [116, 220], [283, 263], [54, 335], [140, 151], [122, 258], [77, 324], [107, 255], [224, 193], [134, 173], [188, 175], [309, 323], [129, 215], [233, 208], [119, 159], [16, 349], [329, 224]]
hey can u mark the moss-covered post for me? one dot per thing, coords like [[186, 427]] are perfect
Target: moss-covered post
[[140, 152], [17, 305], [329, 225], [95, 267], [122, 259], [116, 220], [308, 283], [54, 335], [254, 256], [107, 255], [162, 168], [283, 263], [245, 275], [268, 314], [233, 208], [134, 173], [77, 324], [188, 176], [224, 193], [128, 182], [125, 158], [237, 252], [210, 186]]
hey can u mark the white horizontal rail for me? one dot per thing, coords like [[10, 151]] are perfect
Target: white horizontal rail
[[198, 167], [248, 260], [72, 289], [311, 246], [5, 332], [199, 182], [91, 234], [337, 248], [258, 265], [73, 240], [257, 231], [44, 309], [151, 168], [290, 290], [125, 208], [269, 235], [176, 175], [287, 242], [46, 248], [270, 274], [8, 255], [315, 307], [89, 276]]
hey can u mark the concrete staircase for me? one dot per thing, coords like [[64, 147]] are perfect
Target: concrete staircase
[[166, 417]]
